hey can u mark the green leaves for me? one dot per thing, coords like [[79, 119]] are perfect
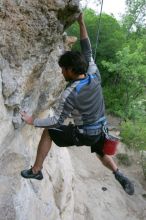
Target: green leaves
[[111, 35], [135, 15], [127, 79], [134, 134]]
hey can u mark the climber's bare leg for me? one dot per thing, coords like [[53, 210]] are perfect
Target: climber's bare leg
[[43, 149], [108, 162]]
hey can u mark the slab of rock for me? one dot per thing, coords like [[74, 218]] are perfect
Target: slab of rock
[[31, 42]]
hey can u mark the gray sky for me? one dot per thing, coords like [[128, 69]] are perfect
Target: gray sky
[[115, 7]]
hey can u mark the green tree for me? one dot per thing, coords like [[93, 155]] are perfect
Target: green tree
[[134, 134], [126, 82], [111, 37], [135, 15]]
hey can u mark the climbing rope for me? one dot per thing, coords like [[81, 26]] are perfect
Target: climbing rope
[[98, 30]]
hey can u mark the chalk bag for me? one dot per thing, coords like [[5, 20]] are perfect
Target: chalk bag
[[110, 144]]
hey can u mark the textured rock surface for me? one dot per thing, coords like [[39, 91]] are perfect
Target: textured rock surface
[[31, 40]]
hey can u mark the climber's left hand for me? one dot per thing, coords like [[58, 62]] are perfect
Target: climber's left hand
[[27, 118]]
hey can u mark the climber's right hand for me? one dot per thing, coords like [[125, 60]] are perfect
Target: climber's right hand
[[80, 18]]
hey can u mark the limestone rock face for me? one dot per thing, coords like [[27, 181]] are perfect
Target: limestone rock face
[[30, 43]]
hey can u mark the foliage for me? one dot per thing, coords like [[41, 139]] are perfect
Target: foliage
[[111, 36], [126, 81], [123, 159], [135, 15], [134, 134]]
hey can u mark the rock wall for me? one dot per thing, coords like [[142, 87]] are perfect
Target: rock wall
[[30, 43]]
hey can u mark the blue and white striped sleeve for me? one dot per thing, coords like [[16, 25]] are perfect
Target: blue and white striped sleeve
[[64, 109], [87, 52]]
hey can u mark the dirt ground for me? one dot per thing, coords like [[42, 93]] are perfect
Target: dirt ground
[[98, 196]]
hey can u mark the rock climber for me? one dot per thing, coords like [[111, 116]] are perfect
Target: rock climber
[[83, 100]]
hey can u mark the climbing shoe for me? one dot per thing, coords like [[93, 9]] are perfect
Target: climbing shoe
[[127, 185], [30, 175]]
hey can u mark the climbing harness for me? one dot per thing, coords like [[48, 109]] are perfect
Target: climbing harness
[[98, 30], [94, 128]]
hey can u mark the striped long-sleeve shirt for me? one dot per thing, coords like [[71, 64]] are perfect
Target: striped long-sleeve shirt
[[82, 98]]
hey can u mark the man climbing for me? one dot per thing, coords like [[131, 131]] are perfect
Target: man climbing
[[83, 99]]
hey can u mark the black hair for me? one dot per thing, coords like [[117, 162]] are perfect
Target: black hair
[[73, 60]]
